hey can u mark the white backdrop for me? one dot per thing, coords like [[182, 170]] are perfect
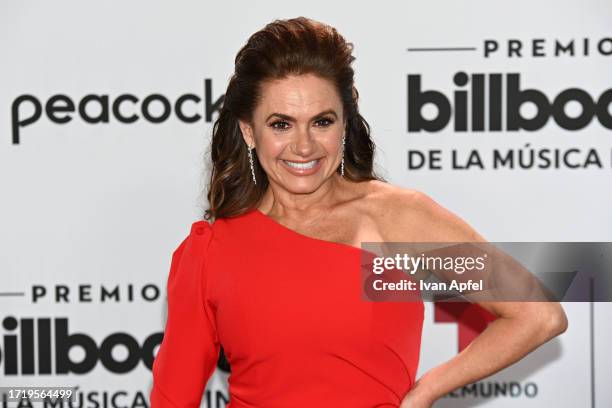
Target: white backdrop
[[89, 207]]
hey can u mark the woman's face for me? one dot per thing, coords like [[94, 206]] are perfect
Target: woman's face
[[297, 132]]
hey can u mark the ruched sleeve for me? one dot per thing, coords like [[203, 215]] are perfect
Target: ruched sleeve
[[188, 353]]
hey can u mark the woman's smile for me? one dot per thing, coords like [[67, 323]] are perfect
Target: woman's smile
[[303, 168]]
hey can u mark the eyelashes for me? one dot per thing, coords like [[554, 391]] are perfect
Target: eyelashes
[[326, 123]]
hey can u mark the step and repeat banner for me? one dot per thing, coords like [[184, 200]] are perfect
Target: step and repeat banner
[[500, 112]]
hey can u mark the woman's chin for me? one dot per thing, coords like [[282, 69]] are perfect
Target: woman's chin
[[303, 185]]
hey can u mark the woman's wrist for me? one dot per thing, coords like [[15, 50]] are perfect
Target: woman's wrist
[[422, 392]]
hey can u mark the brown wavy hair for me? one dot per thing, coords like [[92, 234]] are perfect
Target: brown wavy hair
[[283, 47]]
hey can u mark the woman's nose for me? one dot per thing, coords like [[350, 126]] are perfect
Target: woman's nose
[[303, 144]]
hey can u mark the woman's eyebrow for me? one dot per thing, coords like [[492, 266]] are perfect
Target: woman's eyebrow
[[287, 117]]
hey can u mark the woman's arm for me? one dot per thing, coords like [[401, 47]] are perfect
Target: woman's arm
[[519, 329], [188, 353]]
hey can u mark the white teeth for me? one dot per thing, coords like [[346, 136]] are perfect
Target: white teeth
[[302, 166]]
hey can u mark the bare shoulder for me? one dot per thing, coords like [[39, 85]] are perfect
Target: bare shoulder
[[410, 215]]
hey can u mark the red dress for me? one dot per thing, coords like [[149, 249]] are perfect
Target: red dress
[[288, 310]]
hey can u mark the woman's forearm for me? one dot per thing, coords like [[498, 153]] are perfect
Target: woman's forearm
[[503, 342]]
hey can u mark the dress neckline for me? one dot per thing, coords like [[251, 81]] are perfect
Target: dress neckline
[[281, 227]]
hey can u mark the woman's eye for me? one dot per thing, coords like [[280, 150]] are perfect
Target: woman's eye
[[326, 121], [279, 122]]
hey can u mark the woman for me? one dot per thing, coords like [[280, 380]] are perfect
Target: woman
[[293, 194]]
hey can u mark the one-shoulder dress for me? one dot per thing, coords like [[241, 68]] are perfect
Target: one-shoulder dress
[[289, 313]]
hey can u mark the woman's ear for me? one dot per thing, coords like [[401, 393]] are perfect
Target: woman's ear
[[247, 132]]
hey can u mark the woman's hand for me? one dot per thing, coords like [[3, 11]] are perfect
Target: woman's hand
[[412, 401], [417, 398]]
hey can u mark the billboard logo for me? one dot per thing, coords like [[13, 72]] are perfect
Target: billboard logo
[[473, 100], [33, 348]]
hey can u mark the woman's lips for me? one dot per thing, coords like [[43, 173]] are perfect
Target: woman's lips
[[303, 171]]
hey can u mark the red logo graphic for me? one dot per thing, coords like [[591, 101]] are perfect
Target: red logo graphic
[[471, 319]]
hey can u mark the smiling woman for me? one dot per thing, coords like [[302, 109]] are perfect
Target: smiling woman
[[274, 280], [300, 168], [303, 146], [290, 116]]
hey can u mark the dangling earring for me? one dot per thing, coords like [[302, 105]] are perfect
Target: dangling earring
[[342, 162], [251, 163]]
